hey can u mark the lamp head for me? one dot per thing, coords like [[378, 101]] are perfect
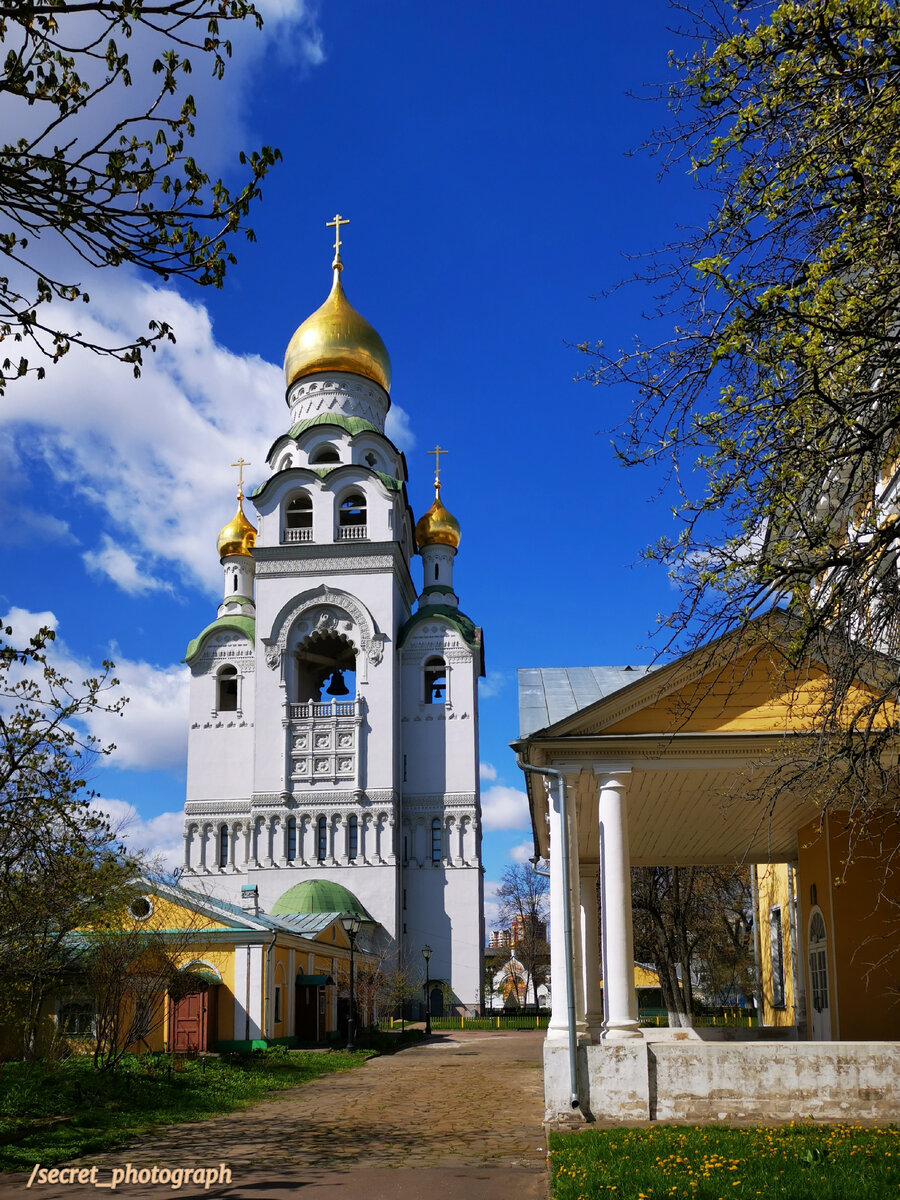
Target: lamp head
[[351, 923], [426, 952]]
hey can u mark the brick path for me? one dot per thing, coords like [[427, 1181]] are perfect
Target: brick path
[[457, 1117]]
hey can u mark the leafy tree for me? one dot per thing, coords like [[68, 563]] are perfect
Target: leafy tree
[[60, 865], [691, 922], [95, 172], [769, 385], [524, 902]]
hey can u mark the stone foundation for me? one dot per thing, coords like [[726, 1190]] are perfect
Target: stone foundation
[[699, 1080]]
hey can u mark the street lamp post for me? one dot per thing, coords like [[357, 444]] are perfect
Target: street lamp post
[[351, 924], [426, 954]]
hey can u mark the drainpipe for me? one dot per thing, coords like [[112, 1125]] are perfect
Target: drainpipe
[[567, 920], [268, 992]]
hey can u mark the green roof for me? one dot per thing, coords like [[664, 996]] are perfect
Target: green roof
[[244, 625], [318, 896], [465, 626], [352, 425]]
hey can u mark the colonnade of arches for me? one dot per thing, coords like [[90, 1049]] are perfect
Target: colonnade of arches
[[298, 839], [449, 840]]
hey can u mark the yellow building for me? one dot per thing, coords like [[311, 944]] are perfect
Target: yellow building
[[246, 979]]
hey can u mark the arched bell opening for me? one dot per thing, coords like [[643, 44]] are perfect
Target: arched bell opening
[[326, 668]]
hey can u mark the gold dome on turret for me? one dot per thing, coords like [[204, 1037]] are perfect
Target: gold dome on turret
[[238, 536], [337, 338], [437, 527]]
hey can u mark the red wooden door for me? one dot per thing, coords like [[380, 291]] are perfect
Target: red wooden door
[[189, 1024]]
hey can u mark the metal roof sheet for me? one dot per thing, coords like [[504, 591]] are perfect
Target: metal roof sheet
[[550, 694]]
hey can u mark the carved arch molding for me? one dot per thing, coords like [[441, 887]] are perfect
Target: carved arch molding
[[315, 605]]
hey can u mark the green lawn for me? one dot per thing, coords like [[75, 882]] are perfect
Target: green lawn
[[798, 1162], [147, 1090]]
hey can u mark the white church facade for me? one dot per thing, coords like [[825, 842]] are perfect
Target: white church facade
[[333, 743]]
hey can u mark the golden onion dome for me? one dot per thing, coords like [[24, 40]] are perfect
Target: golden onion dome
[[238, 536], [437, 527], [337, 338]]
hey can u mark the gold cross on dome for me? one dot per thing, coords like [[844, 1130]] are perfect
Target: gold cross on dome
[[240, 464], [336, 225], [437, 452]]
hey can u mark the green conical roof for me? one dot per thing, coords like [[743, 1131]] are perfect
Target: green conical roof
[[318, 896]]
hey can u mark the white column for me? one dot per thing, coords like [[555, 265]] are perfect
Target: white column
[[269, 835], [283, 858], [590, 949], [187, 847], [619, 1000], [254, 842], [342, 838], [246, 844], [204, 842], [559, 1018]]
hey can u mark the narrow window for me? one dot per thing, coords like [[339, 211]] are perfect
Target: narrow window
[[223, 846], [436, 840], [298, 519], [234, 589], [435, 681], [405, 849], [322, 843], [276, 1016], [352, 517], [776, 950], [227, 689], [354, 838], [435, 570], [292, 839]]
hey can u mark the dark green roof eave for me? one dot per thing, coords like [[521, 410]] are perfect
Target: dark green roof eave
[[244, 625], [464, 626]]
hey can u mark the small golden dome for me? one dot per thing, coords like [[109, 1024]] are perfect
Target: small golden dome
[[238, 536], [437, 527], [337, 338]]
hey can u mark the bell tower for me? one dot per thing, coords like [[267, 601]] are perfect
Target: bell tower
[[322, 776]]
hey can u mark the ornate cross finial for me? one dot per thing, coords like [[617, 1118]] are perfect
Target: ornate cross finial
[[437, 452], [240, 464], [336, 225]]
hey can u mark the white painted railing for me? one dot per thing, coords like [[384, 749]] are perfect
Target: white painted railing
[[297, 535], [333, 708], [351, 533]]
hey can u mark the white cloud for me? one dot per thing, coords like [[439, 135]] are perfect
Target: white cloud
[[522, 853], [24, 526], [127, 443], [122, 568], [397, 428], [493, 683], [25, 624], [504, 808], [151, 733], [159, 837], [487, 771]]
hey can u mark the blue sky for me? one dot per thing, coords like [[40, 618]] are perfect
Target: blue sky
[[481, 154]]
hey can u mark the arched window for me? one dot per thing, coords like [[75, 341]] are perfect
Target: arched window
[[353, 838], [298, 519], [227, 690], [352, 517], [322, 840], [324, 454], [436, 845], [223, 846], [435, 680], [291, 839]]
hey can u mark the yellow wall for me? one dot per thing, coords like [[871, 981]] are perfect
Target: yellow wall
[[773, 891], [752, 695], [858, 899]]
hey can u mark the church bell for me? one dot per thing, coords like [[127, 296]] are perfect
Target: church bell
[[337, 687]]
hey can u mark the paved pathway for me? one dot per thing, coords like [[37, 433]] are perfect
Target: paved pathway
[[458, 1117]]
